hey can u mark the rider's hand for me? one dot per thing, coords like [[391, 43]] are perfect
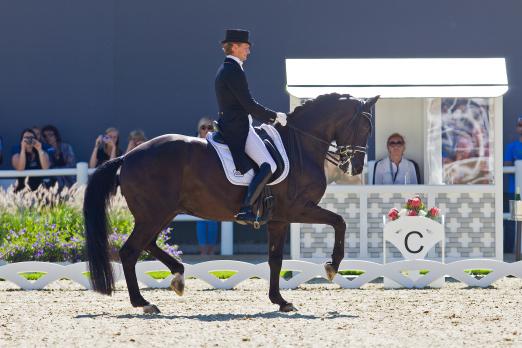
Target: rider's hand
[[281, 118]]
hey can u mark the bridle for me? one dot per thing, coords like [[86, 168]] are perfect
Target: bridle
[[343, 154]]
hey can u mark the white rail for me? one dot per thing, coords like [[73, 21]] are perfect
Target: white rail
[[81, 172], [306, 271]]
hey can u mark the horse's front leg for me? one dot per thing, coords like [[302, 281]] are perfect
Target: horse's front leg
[[317, 215], [276, 241]]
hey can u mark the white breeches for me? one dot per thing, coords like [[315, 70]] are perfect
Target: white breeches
[[256, 150]]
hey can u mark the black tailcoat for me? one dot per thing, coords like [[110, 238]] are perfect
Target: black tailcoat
[[235, 104]]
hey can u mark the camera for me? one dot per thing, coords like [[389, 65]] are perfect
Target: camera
[[29, 140], [106, 138]]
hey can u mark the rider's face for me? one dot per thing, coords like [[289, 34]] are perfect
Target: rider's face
[[241, 50]]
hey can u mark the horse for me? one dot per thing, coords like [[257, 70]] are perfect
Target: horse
[[174, 174]]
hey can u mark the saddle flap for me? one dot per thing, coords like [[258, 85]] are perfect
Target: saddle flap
[[274, 144]]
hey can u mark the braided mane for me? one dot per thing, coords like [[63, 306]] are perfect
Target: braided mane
[[311, 103]]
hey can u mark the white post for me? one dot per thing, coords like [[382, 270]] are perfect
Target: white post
[[295, 241], [227, 238], [518, 173], [82, 175]]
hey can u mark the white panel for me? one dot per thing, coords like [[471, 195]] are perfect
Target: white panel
[[396, 71]]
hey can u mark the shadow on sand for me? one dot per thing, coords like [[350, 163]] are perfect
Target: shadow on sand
[[231, 316]]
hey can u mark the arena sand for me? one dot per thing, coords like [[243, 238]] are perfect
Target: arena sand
[[66, 315]]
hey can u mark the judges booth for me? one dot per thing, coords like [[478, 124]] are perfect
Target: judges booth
[[450, 114]]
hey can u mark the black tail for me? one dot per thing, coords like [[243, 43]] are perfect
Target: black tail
[[101, 185]]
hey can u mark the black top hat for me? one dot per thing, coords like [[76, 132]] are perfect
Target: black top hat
[[236, 35]]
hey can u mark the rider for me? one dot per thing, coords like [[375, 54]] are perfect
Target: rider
[[236, 108]]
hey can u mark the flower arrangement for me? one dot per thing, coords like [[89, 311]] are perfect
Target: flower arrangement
[[414, 207]]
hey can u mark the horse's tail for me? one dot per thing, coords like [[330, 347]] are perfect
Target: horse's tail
[[102, 185]]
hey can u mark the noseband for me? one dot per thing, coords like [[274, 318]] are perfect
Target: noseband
[[347, 152]]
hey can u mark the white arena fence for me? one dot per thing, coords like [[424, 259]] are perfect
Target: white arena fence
[[303, 271]]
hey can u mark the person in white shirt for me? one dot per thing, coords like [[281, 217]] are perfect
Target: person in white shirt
[[396, 169]]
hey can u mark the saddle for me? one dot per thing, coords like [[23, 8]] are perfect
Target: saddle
[[264, 205], [274, 145]]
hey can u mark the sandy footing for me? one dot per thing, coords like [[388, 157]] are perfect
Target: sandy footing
[[456, 315]]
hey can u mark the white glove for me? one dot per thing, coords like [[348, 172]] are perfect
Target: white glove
[[281, 118]]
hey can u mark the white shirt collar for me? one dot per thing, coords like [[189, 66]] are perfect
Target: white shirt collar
[[237, 60]]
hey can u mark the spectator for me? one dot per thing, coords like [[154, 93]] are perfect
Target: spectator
[[206, 231], [38, 134], [513, 153], [136, 137], [396, 169], [31, 156], [106, 147], [205, 125], [61, 154]]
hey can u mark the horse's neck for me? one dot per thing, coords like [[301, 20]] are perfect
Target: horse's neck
[[305, 146]]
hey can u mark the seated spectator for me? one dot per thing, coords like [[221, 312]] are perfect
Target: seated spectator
[[396, 169], [31, 156], [206, 231], [61, 154], [136, 137], [513, 153], [106, 148]]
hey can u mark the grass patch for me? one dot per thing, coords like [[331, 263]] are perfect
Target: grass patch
[[351, 272], [482, 272], [159, 275], [32, 275]]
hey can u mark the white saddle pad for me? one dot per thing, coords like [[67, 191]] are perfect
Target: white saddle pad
[[228, 163]]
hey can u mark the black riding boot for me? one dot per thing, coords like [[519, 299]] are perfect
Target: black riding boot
[[246, 215]]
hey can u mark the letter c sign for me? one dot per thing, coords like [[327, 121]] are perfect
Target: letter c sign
[[406, 242]]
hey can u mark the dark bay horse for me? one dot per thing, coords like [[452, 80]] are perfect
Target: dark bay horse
[[174, 174]]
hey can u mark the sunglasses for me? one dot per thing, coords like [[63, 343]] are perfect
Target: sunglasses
[[393, 143], [209, 127]]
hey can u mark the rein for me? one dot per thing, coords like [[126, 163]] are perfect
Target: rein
[[345, 153]]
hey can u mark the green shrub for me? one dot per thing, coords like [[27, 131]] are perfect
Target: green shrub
[[47, 225]]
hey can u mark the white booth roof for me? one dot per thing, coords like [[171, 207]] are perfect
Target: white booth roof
[[398, 77]]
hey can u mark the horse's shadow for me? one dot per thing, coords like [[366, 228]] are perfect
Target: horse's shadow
[[231, 316]]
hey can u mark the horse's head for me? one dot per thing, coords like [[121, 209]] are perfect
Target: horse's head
[[352, 131]]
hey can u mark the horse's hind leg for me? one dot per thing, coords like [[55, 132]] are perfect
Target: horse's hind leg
[[176, 268], [140, 238]]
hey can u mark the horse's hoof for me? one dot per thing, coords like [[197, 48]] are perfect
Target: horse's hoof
[[330, 271], [288, 307], [178, 284], [151, 309], [257, 225]]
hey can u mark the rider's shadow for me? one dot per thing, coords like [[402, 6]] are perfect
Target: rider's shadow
[[229, 316]]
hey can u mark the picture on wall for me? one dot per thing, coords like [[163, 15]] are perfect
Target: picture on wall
[[460, 141]]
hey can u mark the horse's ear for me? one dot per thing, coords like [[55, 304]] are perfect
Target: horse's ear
[[371, 102]]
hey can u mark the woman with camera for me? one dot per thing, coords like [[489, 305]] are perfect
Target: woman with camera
[[61, 155], [106, 148], [31, 156]]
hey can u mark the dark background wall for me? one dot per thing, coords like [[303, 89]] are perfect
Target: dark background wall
[[88, 65]]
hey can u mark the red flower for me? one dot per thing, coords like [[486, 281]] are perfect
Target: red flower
[[415, 203], [393, 214], [412, 213], [434, 212]]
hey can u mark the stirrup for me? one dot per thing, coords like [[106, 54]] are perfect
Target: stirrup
[[249, 218]]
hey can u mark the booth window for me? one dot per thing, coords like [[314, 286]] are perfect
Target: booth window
[[460, 141]]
